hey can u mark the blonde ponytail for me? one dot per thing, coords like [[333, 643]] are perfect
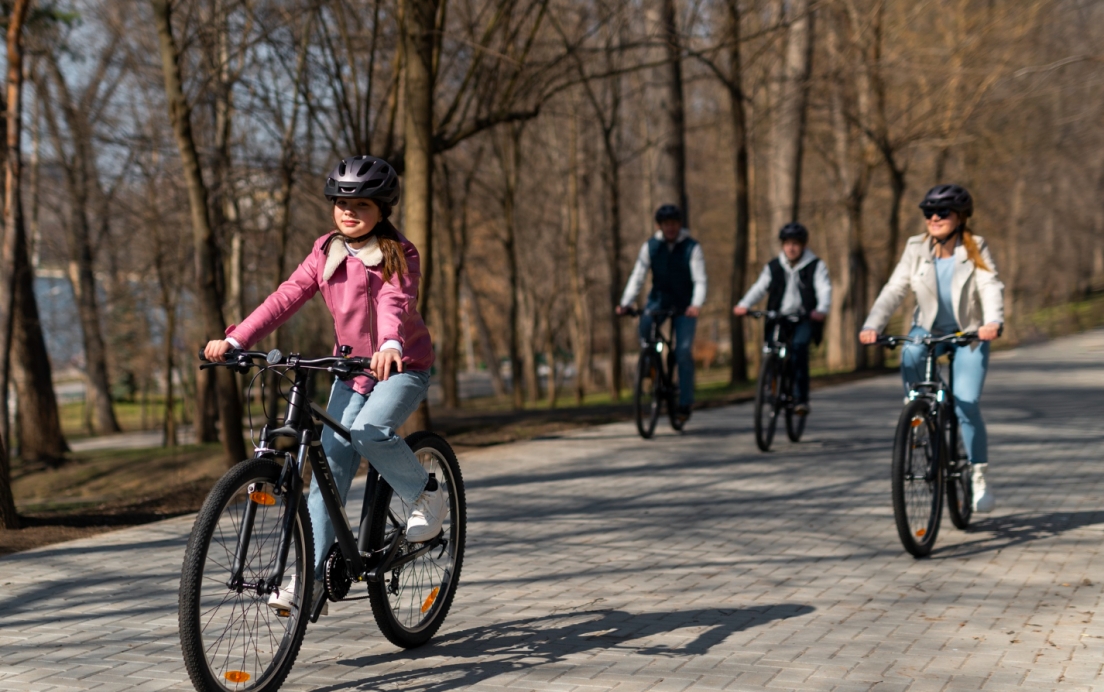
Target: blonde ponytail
[[972, 251]]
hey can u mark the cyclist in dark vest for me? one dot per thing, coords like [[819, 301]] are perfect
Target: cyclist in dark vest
[[795, 283], [679, 284]]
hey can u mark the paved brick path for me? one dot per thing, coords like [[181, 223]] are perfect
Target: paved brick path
[[600, 561]]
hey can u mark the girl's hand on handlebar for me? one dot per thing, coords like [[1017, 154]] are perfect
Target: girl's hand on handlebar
[[216, 350], [989, 332], [382, 362], [739, 311], [868, 336]]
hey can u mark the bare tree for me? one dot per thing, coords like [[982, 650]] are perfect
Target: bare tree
[[206, 250]]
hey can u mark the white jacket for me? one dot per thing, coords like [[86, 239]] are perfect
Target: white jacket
[[978, 293]]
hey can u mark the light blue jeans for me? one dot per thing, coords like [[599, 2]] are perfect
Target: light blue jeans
[[372, 420], [970, 366]]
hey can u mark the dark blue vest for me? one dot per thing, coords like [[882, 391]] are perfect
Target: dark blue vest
[[672, 283]]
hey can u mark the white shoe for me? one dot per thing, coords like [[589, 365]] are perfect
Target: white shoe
[[283, 600], [983, 495], [427, 517]]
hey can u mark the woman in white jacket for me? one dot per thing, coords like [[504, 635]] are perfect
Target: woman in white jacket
[[954, 279]]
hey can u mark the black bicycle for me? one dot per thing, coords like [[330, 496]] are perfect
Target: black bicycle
[[656, 381], [928, 454], [253, 537], [774, 393]]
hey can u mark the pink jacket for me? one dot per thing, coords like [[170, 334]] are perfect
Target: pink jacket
[[367, 311]]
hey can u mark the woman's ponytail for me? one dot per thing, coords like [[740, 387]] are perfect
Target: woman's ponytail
[[972, 251], [394, 258]]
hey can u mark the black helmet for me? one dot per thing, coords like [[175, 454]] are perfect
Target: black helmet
[[794, 231], [668, 212], [953, 197], [364, 177]]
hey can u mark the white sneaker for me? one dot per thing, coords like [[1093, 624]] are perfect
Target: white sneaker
[[283, 600], [983, 495], [427, 517]]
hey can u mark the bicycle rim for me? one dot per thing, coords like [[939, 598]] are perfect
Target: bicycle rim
[[766, 403], [795, 425], [410, 602], [646, 395], [917, 480], [232, 640]]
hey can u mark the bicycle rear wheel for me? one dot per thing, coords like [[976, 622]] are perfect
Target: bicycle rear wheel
[[917, 479], [410, 602], [795, 425], [766, 402], [646, 397], [960, 490], [232, 640], [677, 421]]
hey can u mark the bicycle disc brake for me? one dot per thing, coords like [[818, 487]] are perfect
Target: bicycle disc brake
[[337, 578]]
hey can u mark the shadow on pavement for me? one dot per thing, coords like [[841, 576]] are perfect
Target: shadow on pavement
[[525, 644], [1017, 529]]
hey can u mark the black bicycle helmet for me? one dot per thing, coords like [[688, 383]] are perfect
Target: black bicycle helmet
[[794, 231], [953, 197], [364, 177], [668, 212]]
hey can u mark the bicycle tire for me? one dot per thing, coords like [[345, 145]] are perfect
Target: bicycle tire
[[646, 393], [766, 402], [231, 640], [677, 421], [917, 480], [795, 425], [410, 604], [960, 491]]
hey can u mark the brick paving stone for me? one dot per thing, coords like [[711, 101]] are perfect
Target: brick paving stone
[[600, 561]]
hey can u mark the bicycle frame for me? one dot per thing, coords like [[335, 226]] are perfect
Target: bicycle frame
[[940, 397], [301, 422]]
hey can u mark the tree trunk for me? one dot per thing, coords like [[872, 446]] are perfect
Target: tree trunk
[[510, 159], [10, 259], [738, 280], [613, 190], [418, 24], [791, 105], [40, 436], [671, 168], [206, 250], [580, 315]]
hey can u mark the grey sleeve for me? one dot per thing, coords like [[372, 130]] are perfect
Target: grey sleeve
[[758, 290], [823, 285], [636, 279], [697, 273]]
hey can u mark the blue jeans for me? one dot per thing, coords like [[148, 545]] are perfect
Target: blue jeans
[[970, 366], [799, 353], [372, 420], [684, 328]]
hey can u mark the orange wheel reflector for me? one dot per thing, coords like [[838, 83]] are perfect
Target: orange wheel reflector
[[920, 532], [430, 599], [262, 498], [236, 675], [917, 422]]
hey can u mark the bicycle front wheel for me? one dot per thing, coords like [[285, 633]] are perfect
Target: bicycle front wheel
[[917, 479], [646, 397], [231, 638], [766, 402], [410, 601]]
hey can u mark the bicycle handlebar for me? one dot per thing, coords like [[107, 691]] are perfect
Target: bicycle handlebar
[[774, 315], [242, 361], [958, 339], [635, 312]]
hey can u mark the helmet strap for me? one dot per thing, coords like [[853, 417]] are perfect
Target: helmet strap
[[951, 236]]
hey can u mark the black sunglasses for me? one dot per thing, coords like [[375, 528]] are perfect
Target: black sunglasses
[[941, 212]]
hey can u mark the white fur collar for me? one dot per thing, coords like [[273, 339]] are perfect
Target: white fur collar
[[370, 255]]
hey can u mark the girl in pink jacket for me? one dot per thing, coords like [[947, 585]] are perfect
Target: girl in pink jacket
[[368, 275]]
